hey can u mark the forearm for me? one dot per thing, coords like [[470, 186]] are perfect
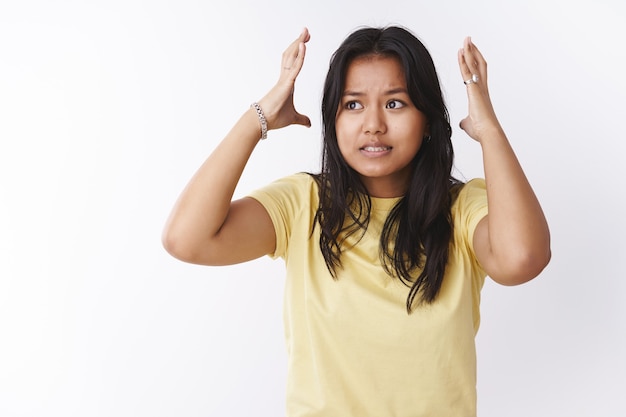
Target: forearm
[[204, 204], [518, 234], [205, 226], [512, 242]]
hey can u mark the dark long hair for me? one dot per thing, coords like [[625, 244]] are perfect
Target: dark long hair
[[417, 232]]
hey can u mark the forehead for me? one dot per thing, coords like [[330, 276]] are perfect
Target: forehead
[[370, 70]]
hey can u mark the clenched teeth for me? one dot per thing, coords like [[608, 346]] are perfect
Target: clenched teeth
[[376, 148]]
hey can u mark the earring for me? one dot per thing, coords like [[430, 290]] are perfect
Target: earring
[[427, 138]]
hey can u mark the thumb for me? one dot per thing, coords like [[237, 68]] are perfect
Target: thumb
[[465, 124], [302, 120]]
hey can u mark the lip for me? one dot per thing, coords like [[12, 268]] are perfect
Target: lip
[[376, 149]]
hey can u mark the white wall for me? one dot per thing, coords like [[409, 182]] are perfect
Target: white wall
[[108, 107]]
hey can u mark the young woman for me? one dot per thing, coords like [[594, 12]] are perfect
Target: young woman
[[385, 251]]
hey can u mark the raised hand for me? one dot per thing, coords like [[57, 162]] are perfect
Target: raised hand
[[278, 102], [512, 242], [481, 119]]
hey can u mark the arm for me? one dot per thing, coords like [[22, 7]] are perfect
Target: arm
[[205, 226], [512, 242]]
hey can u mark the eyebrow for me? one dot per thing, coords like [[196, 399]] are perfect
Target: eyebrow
[[391, 92]]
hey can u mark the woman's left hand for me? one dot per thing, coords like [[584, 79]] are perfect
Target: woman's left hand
[[512, 242], [481, 120]]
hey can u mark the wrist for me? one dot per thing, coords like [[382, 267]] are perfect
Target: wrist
[[261, 117], [490, 134]]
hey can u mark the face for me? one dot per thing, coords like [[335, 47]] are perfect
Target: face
[[379, 130]]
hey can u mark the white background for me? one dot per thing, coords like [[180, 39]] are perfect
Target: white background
[[108, 107]]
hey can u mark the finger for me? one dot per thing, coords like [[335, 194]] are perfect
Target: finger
[[293, 57], [466, 73], [481, 64], [470, 56], [305, 35], [472, 62], [299, 60], [468, 70]]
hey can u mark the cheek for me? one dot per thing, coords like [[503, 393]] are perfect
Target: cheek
[[416, 129], [342, 145], [342, 132], [346, 147]]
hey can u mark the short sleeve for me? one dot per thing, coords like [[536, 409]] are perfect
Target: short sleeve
[[286, 201], [468, 210]]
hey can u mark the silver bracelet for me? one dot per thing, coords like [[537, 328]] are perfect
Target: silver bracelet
[[262, 120]]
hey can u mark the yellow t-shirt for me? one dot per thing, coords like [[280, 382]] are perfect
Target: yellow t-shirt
[[353, 349]]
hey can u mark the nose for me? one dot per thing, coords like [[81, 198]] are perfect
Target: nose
[[374, 121]]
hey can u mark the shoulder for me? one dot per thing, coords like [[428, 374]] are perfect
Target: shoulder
[[291, 193], [469, 206], [474, 192], [291, 202], [295, 185]]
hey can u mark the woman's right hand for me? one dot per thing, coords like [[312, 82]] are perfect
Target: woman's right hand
[[277, 104], [206, 227]]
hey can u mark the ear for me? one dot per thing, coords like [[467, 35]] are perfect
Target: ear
[[426, 137]]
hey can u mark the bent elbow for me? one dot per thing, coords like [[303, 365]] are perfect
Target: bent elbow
[[171, 244], [193, 250], [523, 268], [179, 247]]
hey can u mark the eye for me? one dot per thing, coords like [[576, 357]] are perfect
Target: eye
[[353, 105], [394, 104]]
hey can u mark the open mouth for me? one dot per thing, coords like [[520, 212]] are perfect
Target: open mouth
[[376, 148]]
